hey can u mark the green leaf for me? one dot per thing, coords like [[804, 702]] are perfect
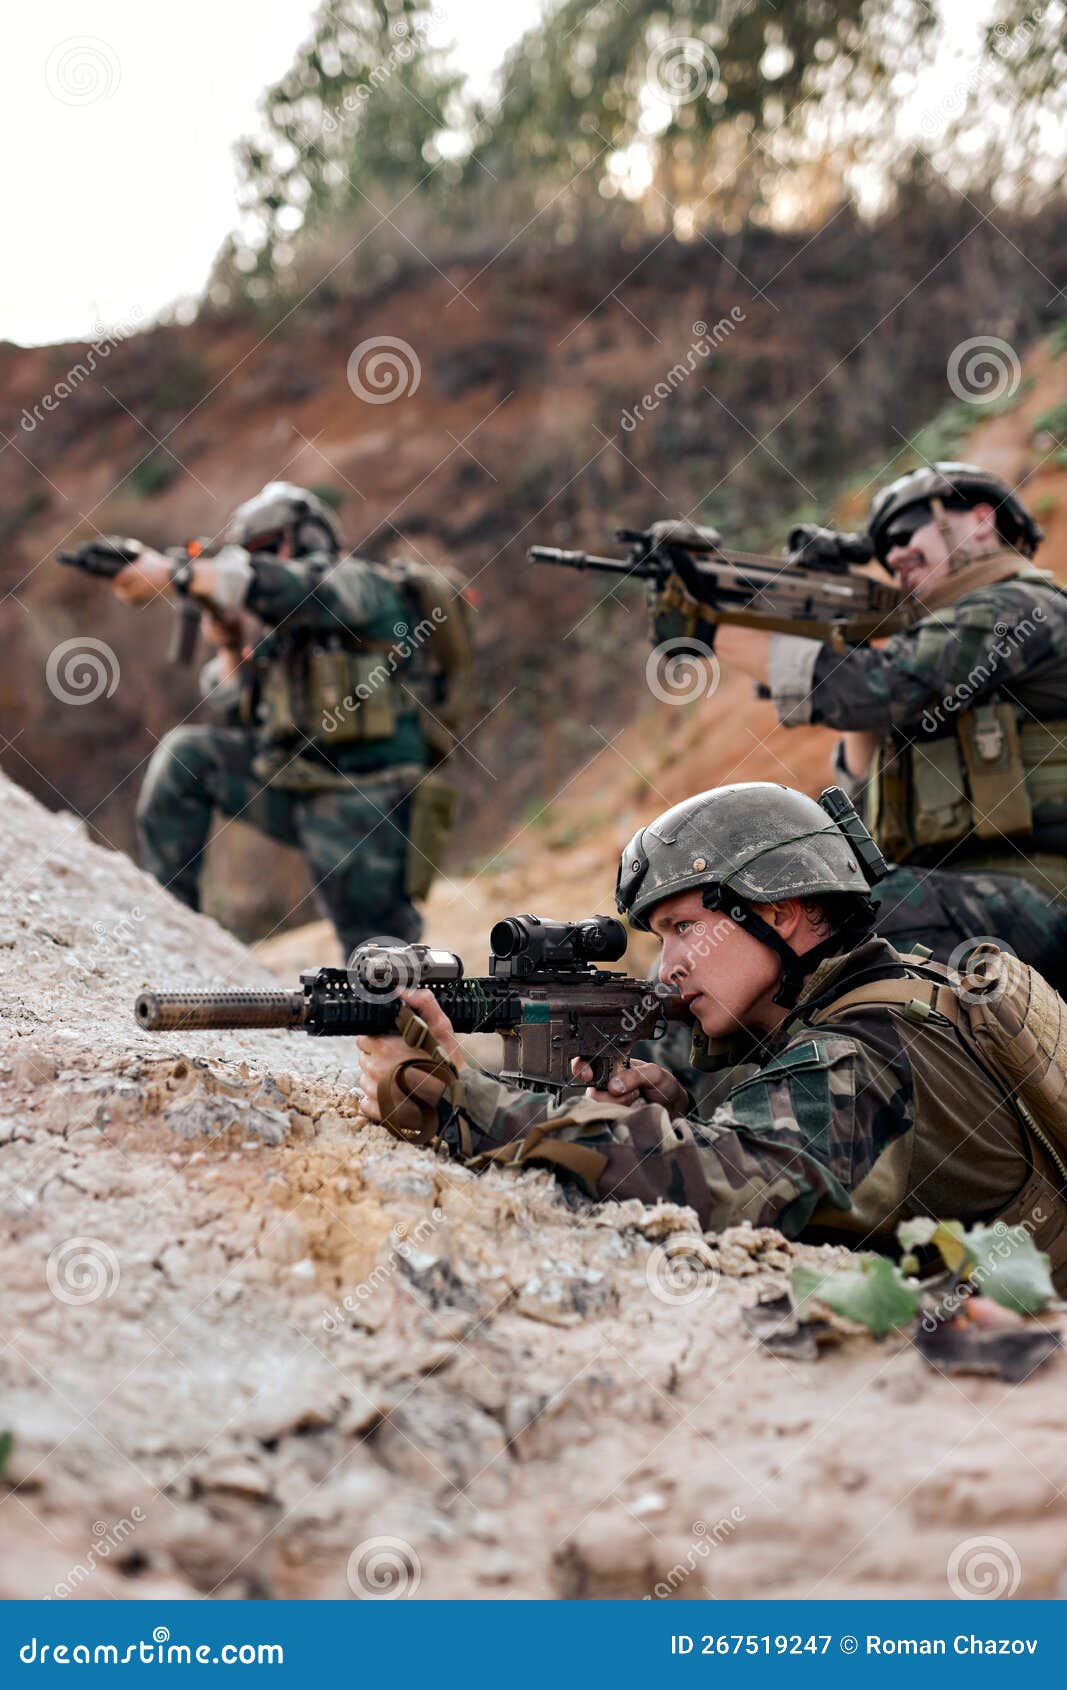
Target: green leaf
[[874, 1292], [947, 1236], [1005, 1264], [6, 1441]]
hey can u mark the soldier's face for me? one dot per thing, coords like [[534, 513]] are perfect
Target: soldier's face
[[925, 559], [726, 977]]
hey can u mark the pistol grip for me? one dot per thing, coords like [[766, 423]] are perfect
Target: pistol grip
[[183, 643]]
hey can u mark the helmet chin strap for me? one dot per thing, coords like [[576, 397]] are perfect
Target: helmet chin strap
[[795, 967]]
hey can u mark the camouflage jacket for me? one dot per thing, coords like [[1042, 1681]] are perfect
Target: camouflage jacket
[[845, 1129], [1001, 643], [347, 600], [1008, 639]]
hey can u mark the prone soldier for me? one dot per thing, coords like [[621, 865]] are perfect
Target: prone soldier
[[326, 728], [870, 1102]]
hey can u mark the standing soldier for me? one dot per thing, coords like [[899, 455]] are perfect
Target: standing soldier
[[325, 727], [955, 730]]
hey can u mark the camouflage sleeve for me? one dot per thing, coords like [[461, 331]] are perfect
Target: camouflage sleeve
[[952, 657], [348, 595], [804, 1131]]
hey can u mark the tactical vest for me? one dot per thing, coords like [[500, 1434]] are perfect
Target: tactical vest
[[338, 688], [1015, 1028], [998, 775]]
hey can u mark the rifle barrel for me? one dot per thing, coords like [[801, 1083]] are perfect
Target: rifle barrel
[[171, 1012], [581, 560]]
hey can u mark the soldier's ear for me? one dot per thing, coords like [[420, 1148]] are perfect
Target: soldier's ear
[[985, 520], [786, 918]]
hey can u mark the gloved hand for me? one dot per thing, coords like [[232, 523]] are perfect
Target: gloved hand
[[671, 617], [677, 531]]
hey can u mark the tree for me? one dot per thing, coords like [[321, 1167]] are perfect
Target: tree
[[355, 121]]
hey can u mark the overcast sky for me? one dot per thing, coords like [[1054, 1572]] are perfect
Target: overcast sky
[[117, 124]]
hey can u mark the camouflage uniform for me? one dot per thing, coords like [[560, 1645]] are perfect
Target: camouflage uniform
[[844, 1130], [1002, 642], [345, 806]]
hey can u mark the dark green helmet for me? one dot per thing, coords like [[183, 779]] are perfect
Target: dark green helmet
[[282, 508], [756, 842], [959, 486]]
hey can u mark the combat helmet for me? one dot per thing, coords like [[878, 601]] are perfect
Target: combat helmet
[[281, 507], [757, 842], [959, 487]]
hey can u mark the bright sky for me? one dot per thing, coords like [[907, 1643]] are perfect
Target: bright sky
[[117, 124]]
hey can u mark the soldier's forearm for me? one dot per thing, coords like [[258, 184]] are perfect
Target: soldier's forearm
[[745, 649]]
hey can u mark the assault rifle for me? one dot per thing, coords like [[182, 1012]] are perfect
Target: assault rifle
[[544, 994], [817, 590], [107, 556]]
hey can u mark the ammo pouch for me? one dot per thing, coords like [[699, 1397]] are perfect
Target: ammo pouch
[[329, 694], [433, 813], [983, 781]]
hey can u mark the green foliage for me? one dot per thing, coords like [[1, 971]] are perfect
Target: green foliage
[[181, 383], [1053, 422], [6, 1442], [873, 1292], [662, 102], [329, 494], [357, 116], [1001, 1262], [153, 473]]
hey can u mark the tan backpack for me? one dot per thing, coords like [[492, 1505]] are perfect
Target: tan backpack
[[1012, 1020], [444, 616]]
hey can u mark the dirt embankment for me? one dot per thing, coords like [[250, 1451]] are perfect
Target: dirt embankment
[[512, 420], [253, 1347]]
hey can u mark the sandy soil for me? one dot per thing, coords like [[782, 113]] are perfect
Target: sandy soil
[[252, 1347]]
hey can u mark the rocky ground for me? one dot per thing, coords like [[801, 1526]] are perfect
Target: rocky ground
[[253, 1347]]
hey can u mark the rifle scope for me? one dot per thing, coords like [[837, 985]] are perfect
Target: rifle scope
[[531, 943]]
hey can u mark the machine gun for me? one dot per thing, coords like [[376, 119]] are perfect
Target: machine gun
[[544, 994], [817, 590], [107, 556]]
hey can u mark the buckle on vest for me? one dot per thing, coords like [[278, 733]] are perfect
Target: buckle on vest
[[988, 734]]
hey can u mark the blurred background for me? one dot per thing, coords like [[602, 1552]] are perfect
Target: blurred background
[[739, 261]]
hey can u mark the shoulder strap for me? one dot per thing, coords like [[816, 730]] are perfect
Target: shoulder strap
[[918, 998]]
